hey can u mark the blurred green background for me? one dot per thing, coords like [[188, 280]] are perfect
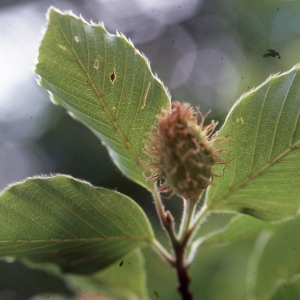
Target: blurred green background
[[206, 52]]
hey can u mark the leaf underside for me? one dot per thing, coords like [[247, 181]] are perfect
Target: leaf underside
[[262, 139], [70, 223], [105, 83]]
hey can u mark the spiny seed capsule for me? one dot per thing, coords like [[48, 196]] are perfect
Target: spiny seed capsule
[[181, 151]]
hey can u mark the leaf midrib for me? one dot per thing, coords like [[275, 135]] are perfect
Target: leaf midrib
[[252, 176], [126, 143]]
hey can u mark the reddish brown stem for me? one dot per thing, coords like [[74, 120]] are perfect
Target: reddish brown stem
[[178, 246], [184, 282], [182, 274], [181, 269]]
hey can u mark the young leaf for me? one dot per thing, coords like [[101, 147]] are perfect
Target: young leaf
[[280, 258], [70, 223], [239, 228], [263, 138], [287, 289], [105, 83], [124, 280]]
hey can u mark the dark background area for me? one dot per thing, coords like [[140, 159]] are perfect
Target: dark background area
[[206, 52]]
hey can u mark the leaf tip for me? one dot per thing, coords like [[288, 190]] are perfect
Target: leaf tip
[[51, 10]]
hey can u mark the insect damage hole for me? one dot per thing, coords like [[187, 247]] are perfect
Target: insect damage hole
[[76, 37], [96, 64], [113, 76]]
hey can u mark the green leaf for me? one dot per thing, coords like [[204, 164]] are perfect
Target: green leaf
[[287, 289], [104, 82], [70, 223], [275, 256], [279, 259], [218, 273], [262, 134], [124, 280], [239, 228]]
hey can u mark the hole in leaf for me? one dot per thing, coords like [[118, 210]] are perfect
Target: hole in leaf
[[113, 76], [76, 38], [96, 64]]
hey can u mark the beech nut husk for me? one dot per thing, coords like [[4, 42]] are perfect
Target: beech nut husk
[[181, 151]]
